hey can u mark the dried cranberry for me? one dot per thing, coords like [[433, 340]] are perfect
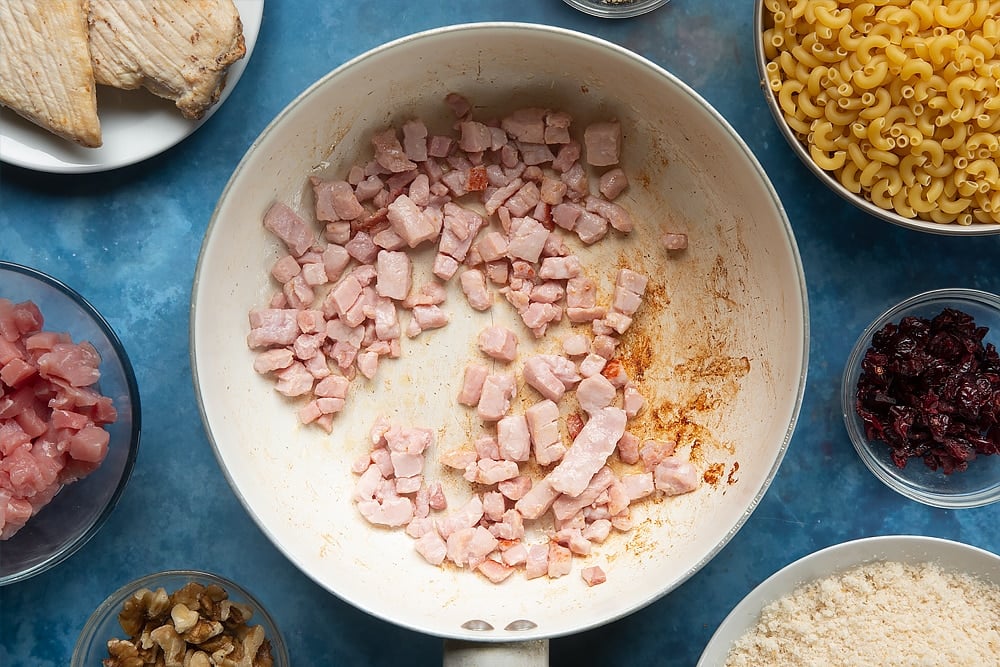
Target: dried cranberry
[[930, 389]]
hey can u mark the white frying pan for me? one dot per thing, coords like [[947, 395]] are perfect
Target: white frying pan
[[719, 346]]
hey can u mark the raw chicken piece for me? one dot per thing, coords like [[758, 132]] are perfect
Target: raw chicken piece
[[595, 393], [603, 143], [472, 384], [674, 476], [593, 575], [394, 274], [286, 224], [498, 391], [411, 223], [498, 342], [474, 286], [335, 200], [543, 426], [513, 438], [589, 451]]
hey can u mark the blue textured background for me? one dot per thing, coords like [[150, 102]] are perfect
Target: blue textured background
[[129, 239]]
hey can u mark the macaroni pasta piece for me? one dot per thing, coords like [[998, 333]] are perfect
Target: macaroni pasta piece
[[898, 99]]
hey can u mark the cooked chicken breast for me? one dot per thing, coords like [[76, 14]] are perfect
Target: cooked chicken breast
[[177, 49], [45, 70]]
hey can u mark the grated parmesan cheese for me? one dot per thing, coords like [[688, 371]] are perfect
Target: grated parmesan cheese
[[884, 613]]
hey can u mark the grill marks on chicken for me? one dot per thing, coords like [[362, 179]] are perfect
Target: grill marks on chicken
[[45, 71], [177, 49]]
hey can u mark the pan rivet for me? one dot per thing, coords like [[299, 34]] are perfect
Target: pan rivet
[[476, 624], [521, 624]]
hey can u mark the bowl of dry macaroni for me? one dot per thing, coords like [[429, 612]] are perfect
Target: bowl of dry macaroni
[[895, 108]]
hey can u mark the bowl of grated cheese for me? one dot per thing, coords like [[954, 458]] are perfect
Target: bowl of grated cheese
[[935, 598]]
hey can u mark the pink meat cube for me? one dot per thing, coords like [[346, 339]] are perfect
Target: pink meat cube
[[394, 277], [513, 438], [498, 342], [603, 143]]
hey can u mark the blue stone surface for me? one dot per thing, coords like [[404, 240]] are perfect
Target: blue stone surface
[[129, 239]]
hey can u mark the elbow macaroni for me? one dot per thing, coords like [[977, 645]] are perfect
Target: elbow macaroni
[[898, 99]]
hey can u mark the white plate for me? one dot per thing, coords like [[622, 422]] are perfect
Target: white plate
[[913, 549], [135, 124]]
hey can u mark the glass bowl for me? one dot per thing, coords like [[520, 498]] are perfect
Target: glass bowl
[[976, 486], [79, 510], [103, 625], [763, 20], [616, 9]]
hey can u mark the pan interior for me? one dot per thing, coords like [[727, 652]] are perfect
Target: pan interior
[[719, 346]]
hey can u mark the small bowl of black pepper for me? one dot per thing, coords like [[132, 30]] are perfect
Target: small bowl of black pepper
[[616, 9], [921, 398]]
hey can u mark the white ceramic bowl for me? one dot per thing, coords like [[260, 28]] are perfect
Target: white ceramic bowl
[[950, 556], [975, 486], [762, 19], [727, 356]]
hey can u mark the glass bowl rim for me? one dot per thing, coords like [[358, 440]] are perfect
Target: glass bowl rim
[[113, 602], [67, 549], [618, 10], [892, 478]]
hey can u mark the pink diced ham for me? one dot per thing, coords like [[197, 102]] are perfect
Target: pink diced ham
[[473, 379], [286, 224], [271, 327], [389, 153], [674, 476], [494, 401], [473, 283], [593, 575], [603, 143], [674, 240], [335, 200], [589, 451], [595, 393], [432, 547], [394, 278], [526, 240], [498, 342], [514, 438], [411, 223], [415, 140]]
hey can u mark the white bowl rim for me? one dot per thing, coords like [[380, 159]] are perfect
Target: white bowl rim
[[866, 549]]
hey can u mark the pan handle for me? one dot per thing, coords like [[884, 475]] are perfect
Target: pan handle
[[533, 653]]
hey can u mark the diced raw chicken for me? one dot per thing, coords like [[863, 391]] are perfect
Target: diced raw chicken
[[523, 202], [470, 546], [515, 555], [495, 571], [389, 152], [567, 214], [527, 124], [265, 362], [294, 380], [286, 224], [638, 485], [674, 241], [603, 143], [527, 238], [415, 140], [593, 575], [432, 547], [285, 269], [474, 286], [411, 223], [498, 391], [498, 342], [474, 136], [628, 447], [489, 471], [589, 451], [566, 506], [591, 227], [335, 200], [537, 500], [633, 402], [429, 317], [613, 182], [595, 393], [394, 274], [472, 384], [270, 327], [513, 438], [515, 487], [674, 476], [397, 511], [617, 216], [560, 268], [539, 375], [560, 561], [543, 426], [537, 561]]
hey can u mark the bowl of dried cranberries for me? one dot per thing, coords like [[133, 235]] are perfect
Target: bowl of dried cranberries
[[921, 398]]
